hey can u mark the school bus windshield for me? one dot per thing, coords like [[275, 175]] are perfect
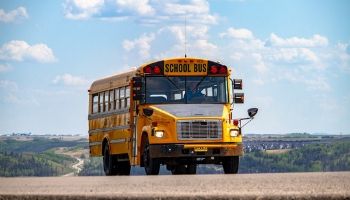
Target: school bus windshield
[[188, 90]]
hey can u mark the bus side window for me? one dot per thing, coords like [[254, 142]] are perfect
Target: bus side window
[[95, 103], [127, 97], [101, 102], [122, 97], [106, 101], [111, 100], [116, 99]]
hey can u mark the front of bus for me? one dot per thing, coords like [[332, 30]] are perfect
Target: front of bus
[[186, 114]]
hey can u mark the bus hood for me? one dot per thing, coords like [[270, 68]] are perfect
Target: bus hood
[[193, 110]]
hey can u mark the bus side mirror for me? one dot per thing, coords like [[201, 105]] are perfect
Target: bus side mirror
[[138, 94], [237, 84], [238, 98], [252, 112]]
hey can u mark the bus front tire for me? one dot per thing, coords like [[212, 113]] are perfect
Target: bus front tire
[[151, 165], [109, 162], [230, 164]]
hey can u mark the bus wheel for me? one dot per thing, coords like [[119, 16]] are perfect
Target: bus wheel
[[151, 165], [230, 164], [109, 162]]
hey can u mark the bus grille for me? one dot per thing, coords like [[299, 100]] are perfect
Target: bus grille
[[199, 129]]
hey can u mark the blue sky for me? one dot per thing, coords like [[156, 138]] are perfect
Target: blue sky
[[293, 56]]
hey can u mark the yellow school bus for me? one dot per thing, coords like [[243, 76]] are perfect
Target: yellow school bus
[[175, 112]]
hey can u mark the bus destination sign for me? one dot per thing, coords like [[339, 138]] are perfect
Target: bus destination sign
[[186, 67]]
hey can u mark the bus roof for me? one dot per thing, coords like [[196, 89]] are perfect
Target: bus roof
[[113, 81]]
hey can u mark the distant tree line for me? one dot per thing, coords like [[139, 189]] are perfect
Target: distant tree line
[[310, 158], [29, 164]]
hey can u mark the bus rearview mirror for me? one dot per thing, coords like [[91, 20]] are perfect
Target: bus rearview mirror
[[252, 112]]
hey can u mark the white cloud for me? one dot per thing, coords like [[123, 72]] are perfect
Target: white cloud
[[70, 80], [141, 7], [82, 9], [20, 50], [293, 55], [242, 33], [196, 11], [342, 55], [145, 12], [259, 63], [13, 15], [315, 41], [11, 93], [142, 44], [5, 67], [195, 7]]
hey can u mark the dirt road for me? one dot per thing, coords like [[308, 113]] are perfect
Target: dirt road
[[334, 185]]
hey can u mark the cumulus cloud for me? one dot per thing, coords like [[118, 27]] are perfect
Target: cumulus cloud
[[293, 55], [242, 33], [82, 9], [142, 11], [13, 15], [259, 64], [314, 41], [20, 50], [141, 7], [70, 80], [142, 44]]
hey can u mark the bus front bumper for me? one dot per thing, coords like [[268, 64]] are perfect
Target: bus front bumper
[[195, 150]]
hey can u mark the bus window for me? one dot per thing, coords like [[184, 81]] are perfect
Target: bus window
[[122, 92], [95, 103], [127, 92], [106, 102], [191, 90], [127, 95], [122, 103], [101, 102], [111, 100], [116, 99]]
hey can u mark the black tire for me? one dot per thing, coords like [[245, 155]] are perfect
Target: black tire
[[230, 164], [184, 169], [151, 165], [109, 162]]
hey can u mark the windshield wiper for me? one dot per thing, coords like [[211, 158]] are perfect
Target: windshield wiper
[[172, 82], [194, 89]]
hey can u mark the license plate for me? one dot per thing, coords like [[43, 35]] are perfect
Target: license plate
[[200, 149]]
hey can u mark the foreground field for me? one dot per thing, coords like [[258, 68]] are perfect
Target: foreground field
[[331, 185]]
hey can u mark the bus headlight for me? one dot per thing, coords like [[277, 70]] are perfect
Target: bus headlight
[[234, 132], [159, 133]]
